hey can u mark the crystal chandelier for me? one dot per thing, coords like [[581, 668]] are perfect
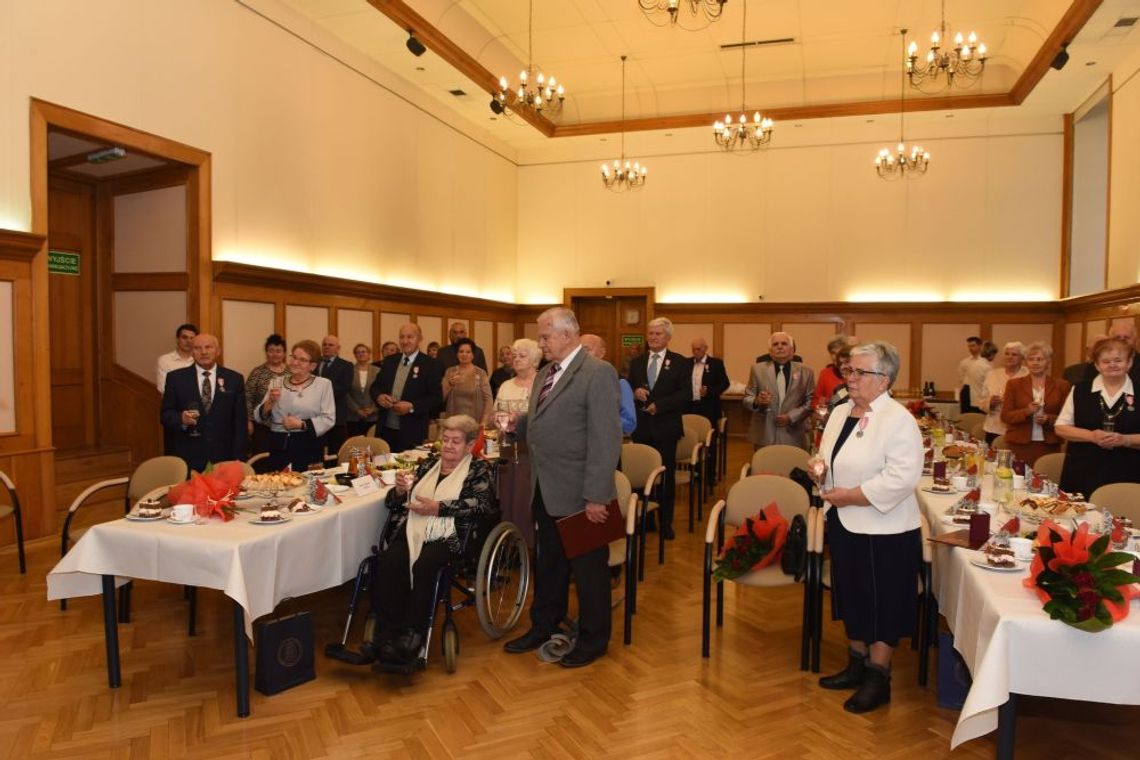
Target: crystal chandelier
[[623, 175], [539, 93], [755, 134], [668, 12], [964, 63], [900, 164]]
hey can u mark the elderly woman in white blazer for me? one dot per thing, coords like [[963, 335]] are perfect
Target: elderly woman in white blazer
[[872, 450]]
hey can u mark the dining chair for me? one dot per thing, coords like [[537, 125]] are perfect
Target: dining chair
[[745, 499], [705, 432], [1121, 499], [73, 510], [968, 420], [362, 442], [1050, 466], [253, 460], [690, 470], [623, 551], [811, 628], [722, 448], [642, 465], [928, 605], [999, 443], [13, 508], [978, 431], [776, 459]]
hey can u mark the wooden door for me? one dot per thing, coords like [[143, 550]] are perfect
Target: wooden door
[[71, 299], [619, 319]]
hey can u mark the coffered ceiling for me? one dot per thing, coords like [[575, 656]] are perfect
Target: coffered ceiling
[[844, 58]]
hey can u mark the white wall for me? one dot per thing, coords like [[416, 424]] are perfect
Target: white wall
[[1124, 196], [315, 167], [1090, 201]]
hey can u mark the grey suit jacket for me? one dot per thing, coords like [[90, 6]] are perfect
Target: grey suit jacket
[[574, 436], [796, 404], [358, 395]]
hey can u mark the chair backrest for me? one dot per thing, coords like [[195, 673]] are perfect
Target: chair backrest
[[624, 489], [999, 443], [1121, 499], [156, 472], [685, 445], [978, 431], [362, 442], [699, 423], [638, 461], [779, 459], [750, 495], [722, 425], [1050, 465], [968, 420]]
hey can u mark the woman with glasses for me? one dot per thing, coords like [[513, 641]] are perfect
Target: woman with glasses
[[525, 356], [298, 411], [869, 463], [1031, 404]]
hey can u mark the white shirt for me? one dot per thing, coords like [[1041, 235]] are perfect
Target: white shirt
[[1066, 415], [562, 365], [972, 371], [168, 363], [213, 381], [698, 377]]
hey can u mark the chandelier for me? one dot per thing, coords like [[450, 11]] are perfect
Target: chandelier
[[668, 12], [539, 93], [754, 134], [964, 63], [622, 175], [900, 164]]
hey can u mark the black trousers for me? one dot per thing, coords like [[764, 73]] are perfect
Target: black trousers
[[666, 446], [552, 573], [335, 437], [398, 602], [296, 450], [358, 427]]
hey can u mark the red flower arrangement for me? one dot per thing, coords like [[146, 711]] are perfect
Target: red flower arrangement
[[1079, 580], [918, 408], [755, 545], [216, 488]]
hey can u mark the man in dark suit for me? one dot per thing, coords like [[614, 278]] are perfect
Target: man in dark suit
[[662, 386], [505, 371], [203, 408], [447, 357], [709, 380], [574, 438], [339, 372], [1125, 330], [408, 391], [1084, 371]]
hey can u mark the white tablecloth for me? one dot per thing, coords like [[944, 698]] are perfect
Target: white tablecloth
[[1011, 645], [255, 565]]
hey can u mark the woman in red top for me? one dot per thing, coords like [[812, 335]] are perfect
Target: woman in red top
[[829, 378]]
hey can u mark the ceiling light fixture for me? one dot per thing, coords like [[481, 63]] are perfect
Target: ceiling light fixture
[[900, 164], [536, 92], [964, 63], [623, 175], [415, 47], [755, 134], [668, 12]]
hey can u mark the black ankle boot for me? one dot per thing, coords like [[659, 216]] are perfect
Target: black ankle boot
[[850, 677], [873, 692]]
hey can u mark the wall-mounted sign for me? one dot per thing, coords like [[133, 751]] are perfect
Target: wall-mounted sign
[[631, 340], [63, 262]]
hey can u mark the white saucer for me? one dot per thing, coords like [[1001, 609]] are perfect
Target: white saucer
[[134, 517], [172, 521], [259, 521]]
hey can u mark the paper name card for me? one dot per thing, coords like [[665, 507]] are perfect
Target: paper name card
[[364, 485]]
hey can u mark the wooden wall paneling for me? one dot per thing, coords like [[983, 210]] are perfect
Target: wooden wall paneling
[[943, 348], [743, 342], [1024, 332], [684, 333], [1067, 206], [390, 324], [484, 336], [150, 229], [432, 328], [145, 322], [899, 335], [1094, 327], [244, 326], [1074, 346], [354, 326], [504, 333], [811, 342], [305, 323]]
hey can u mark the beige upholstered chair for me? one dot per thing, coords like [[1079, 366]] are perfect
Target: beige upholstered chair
[[1050, 466], [362, 442], [745, 499], [999, 443], [642, 465], [978, 431], [13, 508], [691, 470], [1121, 499], [969, 420], [257, 458], [623, 550], [705, 431], [776, 459]]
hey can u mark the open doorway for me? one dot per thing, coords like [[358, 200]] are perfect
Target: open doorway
[[126, 215]]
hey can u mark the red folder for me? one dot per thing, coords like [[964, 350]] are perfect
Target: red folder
[[579, 535]]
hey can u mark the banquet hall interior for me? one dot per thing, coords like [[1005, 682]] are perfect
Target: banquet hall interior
[[315, 167]]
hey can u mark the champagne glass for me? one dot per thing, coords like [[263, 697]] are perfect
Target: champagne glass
[[202, 513], [194, 409], [502, 418]]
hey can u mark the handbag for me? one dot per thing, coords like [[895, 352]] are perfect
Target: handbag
[[284, 653], [794, 559]]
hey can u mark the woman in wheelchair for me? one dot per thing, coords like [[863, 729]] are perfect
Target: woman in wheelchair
[[430, 512]]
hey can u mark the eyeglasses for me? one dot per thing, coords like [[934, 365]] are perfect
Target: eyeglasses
[[302, 358], [860, 373]]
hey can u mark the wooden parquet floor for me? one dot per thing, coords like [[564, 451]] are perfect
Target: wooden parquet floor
[[654, 699]]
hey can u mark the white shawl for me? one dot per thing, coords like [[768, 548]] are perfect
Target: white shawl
[[422, 528]]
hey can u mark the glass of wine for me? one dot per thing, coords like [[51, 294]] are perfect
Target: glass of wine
[[194, 409]]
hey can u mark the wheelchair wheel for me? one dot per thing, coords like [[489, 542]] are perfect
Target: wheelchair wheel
[[502, 579], [449, 642]]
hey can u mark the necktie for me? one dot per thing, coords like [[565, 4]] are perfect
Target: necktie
[[325, 367], [548, 385], [398, 391], [207, 391], [781, 381], [652, 370]]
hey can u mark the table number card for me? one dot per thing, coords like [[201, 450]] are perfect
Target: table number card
[[364, 485]]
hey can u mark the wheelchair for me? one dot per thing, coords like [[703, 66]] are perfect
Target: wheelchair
[[491, 573]]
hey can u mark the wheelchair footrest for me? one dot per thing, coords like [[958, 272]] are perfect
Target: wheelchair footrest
[[399, 668]]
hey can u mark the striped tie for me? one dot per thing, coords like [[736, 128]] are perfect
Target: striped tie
[[549, 384]]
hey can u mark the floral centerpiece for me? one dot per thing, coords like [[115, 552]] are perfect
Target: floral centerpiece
[[215, 488], [755, 545], [919, 408], [1079, 580]]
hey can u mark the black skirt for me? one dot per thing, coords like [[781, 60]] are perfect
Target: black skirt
[[874, 581]]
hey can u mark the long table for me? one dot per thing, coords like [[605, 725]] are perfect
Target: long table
[[1012, 647], [257, 566]]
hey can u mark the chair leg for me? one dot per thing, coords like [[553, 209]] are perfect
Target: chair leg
[[660, 544], [641, 539], [20, 541], [817, 605], [806, 625], [630, 587], [192, 611], [706, 600], [926, 626]]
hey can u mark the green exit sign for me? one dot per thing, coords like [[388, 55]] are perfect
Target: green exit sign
[[63, 262]]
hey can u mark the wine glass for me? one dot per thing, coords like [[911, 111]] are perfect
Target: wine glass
[[202, 513], [194, 409]]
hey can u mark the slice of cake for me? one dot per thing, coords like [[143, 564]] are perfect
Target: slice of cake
[[270, 512], [149, 508], [298, 506]]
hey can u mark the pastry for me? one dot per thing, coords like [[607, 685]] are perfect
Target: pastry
[[149, 509], [270, 513]]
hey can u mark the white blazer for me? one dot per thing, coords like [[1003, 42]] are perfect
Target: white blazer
[[886, 462]]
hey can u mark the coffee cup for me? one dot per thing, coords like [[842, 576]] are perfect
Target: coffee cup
[[388, 477], [1022, 548], [959, 482], [182, 512], [1019, 482]]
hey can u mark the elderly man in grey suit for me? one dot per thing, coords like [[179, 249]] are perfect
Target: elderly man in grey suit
[[779, 396], [573, 432]]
